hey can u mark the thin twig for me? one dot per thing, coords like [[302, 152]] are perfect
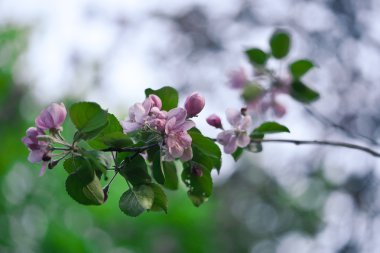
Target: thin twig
[[130, 149], [328, 143], [326, 121]]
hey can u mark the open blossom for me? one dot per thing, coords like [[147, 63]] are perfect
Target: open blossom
[[146, 113], [238, 136], [39, 150], [52, 117], [194, 104], [177, 140]]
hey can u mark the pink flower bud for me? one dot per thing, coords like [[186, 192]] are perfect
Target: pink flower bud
[[279, 110], [194, 104], [52, 117], [238, 79], [156, 101], [215, 121]]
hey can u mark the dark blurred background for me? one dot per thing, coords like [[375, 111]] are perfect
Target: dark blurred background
[[285, 199]]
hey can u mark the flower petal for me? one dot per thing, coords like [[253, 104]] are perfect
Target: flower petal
[[243, 140], [43, 168], [233, 117]]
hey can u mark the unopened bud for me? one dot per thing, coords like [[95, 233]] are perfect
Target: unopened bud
[[105, 192], [196, 170], [194, 104], [243, 111], [46, 157], [215, 121], [52, 164], [156, 101]]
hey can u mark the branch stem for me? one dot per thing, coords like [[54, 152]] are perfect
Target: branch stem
[[327, 143]]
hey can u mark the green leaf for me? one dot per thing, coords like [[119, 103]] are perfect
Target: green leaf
[[196, 199], [251, 92], [84, 186], [112, 128], [160, 201], [136, 201], [168, 96], [157, 167], [269, 128], [171, 177], [135, 171], [280, 44], [237, 154], [72, 164], [199, 186], [257, 56], [116, 140], [89, 118], [300, 92], [300, 68], [205, 151]]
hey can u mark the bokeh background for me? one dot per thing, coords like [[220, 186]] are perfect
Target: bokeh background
[[285, 199]]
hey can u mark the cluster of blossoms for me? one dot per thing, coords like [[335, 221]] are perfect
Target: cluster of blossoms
[[172, 125], [259, 99], [237, 136], [37, 141]]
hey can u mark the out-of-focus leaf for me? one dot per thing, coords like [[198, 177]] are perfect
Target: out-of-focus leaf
[[269, 128], [280, 44], [251, 92], [300, 92], [300, 68], [257, 56]]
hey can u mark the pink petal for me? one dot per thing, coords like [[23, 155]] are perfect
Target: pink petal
[[129, 126], [170, 125], [178, 113], [245, 123], [231, 145], [35, 156], [243, 140], [224, 137], [43, 168], [147, 104], [233, 117], [137, 113], [58, 113], [176, 150], [188, 124], [187, 154]]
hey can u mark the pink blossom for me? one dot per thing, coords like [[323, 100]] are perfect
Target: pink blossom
[[215, 121], [238, 136], [39, 150], [52, 117], [194, 104], [177, 140], [145, 114], [238, 79]]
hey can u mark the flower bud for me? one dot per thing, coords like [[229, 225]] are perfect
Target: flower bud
[[215, 121], [194, 104], [156, 101], [279, 110], [52, 164], [52, 117], [196, 170]]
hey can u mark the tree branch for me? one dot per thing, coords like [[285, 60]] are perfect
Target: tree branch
[[328, 143]]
